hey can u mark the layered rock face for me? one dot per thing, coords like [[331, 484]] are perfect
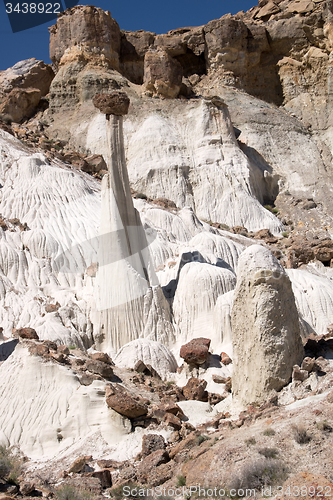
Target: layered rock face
[[85, 33], [265, 327]]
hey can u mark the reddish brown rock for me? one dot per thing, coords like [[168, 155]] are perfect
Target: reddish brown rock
[[104, 476], [171, 408], [26, 333], [39, 349], [99, 368], [172, 421], [308, 364], [299, 374], [162, 74], [196, 351], [78, 464], [63, 349], [103, 357], [116, 103], [225, 359], [195, 390], [29, 73], [151, 443], [21, 103], [149, 464], [218, 379], [120, 400], [314, 486]]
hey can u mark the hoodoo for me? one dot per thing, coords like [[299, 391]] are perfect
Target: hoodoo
[[127, 283]]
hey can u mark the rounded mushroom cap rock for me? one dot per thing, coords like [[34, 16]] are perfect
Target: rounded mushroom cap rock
[[116, 103]]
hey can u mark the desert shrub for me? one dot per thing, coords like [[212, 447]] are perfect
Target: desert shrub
[[300, 434], [141, 196], [200, 439], [7, 119], [181, 481], [275, 210], [285, 234], [67, 492], [324, 426], [269, 452], [10, 465], [250, 441], [259, 473], [269, 432]]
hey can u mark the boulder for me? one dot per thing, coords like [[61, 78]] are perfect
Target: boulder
[[99, 368], [172, 421], [21, 103], [225, 359], [103, 357], [265, 327], [151, 443], [149, 463], [29, 73], [104, 476], [78, 465], [162, 74], [195, 389], [116, 103], [26, 333], [196, 351], [122, 401], [299, 374]]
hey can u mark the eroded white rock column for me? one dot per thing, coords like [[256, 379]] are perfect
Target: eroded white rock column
[[130, 301]]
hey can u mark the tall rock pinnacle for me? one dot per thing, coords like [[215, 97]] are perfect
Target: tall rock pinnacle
[[127, 283]]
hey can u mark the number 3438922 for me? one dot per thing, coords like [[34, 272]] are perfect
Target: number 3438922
[[33, 8]]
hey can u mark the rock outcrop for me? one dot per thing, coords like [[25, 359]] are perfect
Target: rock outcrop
[[265, 327], [85, 34], [162, 74]]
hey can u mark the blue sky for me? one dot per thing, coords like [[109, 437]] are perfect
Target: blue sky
[[130, 15]]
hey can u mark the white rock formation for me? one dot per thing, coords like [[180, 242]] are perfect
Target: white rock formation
[[130, 299], [199, 286], [189, 154], [150, 352], [314, 299], [265, 327], [45, 410]]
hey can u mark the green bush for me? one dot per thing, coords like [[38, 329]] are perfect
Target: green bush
[[141, 196], [324, 426], [200, 439], [285, 234], [300, 434], [10, 465], [181, 481], [67, 492], [269, 432], [269, 452], [250, 441]]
